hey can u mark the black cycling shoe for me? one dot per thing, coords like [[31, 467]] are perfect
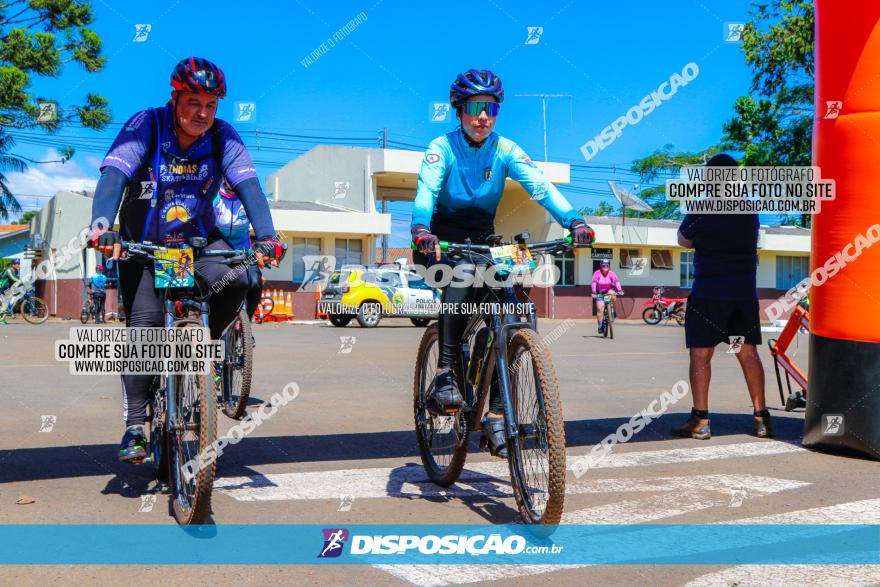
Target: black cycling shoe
[[445, 399], [493, 436], [133, 448], [602, 328]]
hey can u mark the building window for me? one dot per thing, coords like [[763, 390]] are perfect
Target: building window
[[661, 259], [349, 251], [627, 257], [791, 270], [565, 264], [301, 248], [687, 268]]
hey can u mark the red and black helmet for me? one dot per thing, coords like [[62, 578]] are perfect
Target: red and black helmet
[[195, 74]]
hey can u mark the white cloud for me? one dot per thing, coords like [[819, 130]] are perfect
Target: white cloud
[[48, 178]]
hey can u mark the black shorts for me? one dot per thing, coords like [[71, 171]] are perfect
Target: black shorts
[[709, 322]]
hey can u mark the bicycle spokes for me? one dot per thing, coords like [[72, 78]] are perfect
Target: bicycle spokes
[[531, 428]]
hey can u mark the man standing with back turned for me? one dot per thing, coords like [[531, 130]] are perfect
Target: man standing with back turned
[[722, 307]]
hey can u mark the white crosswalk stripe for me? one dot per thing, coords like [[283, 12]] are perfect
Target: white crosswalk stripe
[[668, 496], [488, 478]]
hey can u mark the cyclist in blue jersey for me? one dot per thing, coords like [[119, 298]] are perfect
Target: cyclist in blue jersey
[[233, 223], [461, 182], [169, 162], [98, 290]]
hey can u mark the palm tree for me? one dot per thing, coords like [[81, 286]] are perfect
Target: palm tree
[[8, 204]]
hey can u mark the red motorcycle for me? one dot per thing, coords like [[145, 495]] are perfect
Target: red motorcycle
[[660, 308]]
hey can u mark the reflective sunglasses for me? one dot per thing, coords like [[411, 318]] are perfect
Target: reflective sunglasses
[[475, 108]]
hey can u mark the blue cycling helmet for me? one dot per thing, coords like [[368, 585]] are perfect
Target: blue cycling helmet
[[475, 82]]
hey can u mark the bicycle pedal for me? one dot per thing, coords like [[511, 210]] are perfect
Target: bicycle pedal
[[452, 409], [136, 461]]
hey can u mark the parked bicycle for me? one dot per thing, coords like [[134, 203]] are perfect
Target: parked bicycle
[[503, 351], [31, 308], [182, 418], [660, 308]]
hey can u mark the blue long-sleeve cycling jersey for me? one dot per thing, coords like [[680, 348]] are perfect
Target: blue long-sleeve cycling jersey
[[463, 184]]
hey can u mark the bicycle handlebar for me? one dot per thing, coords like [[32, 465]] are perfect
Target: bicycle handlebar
[[143, 250], [465, 247]]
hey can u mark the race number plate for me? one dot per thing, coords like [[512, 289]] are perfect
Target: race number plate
[[174, 268], [513, 258]]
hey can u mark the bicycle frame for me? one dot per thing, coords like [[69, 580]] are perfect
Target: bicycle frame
[[495, 355]]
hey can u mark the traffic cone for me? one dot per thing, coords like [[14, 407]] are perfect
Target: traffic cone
[[288, 305]]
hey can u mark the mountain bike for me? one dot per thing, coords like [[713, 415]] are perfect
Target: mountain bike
[[182, 417], [88, 310], [609, 312], [503, 351], [31, 308], [235, 386]]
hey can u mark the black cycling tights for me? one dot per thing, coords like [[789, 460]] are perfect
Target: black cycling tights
[[143, 305], [255, 290], [451, 328], [100, 299]]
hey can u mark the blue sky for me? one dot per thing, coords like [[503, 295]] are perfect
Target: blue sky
[[388, 70]]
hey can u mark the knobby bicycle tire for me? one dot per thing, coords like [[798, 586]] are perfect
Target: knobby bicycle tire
[[548, 427], [197, 507], [235, 409], [426, 364], [40, 310]]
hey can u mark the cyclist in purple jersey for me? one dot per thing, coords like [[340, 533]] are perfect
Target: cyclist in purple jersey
[[604, 280], [172, 160]]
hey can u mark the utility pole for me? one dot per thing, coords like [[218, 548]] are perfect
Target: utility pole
[[544, 109], [384, 202]]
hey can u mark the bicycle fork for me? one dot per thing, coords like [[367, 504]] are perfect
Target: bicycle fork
[[503, 332]]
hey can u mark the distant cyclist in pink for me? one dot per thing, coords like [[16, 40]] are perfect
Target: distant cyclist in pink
[[604, 280]]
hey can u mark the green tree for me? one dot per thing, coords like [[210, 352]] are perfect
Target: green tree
[[663, 164], [604, 209], [39, 37], [771, 126], [774, 124], [27, 217]]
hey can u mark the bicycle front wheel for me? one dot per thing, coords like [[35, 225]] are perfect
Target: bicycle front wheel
[[192, 432], [34, 310], [442, 439], [238, 367], [609, 320], [537, 455]]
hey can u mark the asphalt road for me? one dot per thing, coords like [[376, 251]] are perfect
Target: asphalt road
[[344, 452]]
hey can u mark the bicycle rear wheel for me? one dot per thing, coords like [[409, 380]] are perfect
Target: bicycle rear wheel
[[193, 431], [442, 439], [34, 310], [537, 455], [238, 367]]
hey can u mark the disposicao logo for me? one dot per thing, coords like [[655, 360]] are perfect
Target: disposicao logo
[[334, 540]]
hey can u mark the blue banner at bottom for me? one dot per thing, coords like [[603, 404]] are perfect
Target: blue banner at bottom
[[661, 544]]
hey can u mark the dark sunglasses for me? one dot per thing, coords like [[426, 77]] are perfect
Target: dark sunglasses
[[475, 108]]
